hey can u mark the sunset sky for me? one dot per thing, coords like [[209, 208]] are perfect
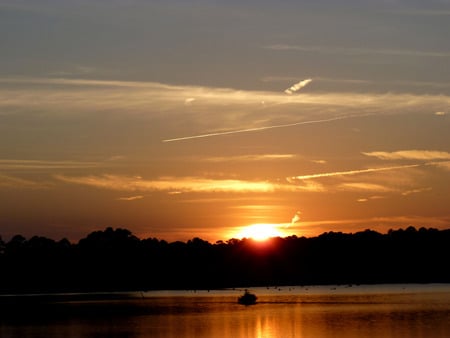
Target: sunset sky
[[182, 119]]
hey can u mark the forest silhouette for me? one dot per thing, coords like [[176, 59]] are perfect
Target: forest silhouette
[[116, 260]]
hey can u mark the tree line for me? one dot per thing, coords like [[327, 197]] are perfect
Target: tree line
[[116, 260]]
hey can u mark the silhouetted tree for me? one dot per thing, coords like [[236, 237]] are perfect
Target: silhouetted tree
[[115, 259], [2, 246]]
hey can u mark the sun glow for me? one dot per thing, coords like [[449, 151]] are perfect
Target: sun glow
[[260, 232]]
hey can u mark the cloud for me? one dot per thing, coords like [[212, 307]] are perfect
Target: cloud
[[343, 80], [375, 197], [218, 111], [296, 87], [189, 101], [79, 82], [362, 82], [443, 165], [359, 186], [184, 184], [426, 155], [440, 113], [11, 182], [131, 198], [347, 173], [358, 51], [16, 165], [76, 70], [97, 92], [245, 158], [279, 78], [115, 158], [258, 207], [296, 217], [156, 99], [419, 84], [415, 191], [321, 79]]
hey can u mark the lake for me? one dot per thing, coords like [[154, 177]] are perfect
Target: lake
[[408, 310]]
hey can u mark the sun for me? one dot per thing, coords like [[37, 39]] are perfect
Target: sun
[[260, 231]]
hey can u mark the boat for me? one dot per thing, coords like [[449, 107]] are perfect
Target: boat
[[247, 298]]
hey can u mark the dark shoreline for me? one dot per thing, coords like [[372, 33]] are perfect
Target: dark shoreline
[[116, 261]]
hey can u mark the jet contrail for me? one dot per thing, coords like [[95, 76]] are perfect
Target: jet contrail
[[351, 172], [262, 128]]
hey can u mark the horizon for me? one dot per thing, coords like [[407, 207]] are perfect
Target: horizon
[[195, 119], [256, 240]]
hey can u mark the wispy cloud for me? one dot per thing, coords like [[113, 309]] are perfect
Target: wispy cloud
[[95, 94], [258, 207], [245, 158], [75, 70], [130, 198], [189, 101], [297, 86], [275, 78], [343, 80], [415, 191], [366, 199], [425, 155], [279, 79], [359, 82], [184, 184], [296, 217], [381, 189], [16, 165], [362, 186], [421, 84], [218, 111], [443, 165], [358, 51], [80, 82], [20, 183]]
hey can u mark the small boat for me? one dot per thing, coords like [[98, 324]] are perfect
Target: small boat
[[247, 298]]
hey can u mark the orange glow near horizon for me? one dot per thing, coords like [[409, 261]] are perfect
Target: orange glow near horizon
[[260, 231]]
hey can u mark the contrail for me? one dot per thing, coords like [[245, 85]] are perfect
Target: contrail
[[262, 128], [351, 172]]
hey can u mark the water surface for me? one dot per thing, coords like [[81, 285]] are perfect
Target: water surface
[[314, 311]]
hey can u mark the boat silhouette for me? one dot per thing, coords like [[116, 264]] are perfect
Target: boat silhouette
[[247, 298]]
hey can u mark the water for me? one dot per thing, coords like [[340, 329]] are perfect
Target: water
[[317, 311]]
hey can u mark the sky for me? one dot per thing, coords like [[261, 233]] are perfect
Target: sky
[[182, 119]]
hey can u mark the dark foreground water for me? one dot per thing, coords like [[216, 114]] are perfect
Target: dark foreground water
[[315, 311]]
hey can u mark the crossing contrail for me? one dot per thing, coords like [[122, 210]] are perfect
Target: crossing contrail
[[248, 130]]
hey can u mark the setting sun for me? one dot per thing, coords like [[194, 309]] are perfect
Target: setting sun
[[260, 232]]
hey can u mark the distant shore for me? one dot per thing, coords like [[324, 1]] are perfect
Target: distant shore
[[114, 261]]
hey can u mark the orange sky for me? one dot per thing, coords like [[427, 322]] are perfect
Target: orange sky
[[180, 121]]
